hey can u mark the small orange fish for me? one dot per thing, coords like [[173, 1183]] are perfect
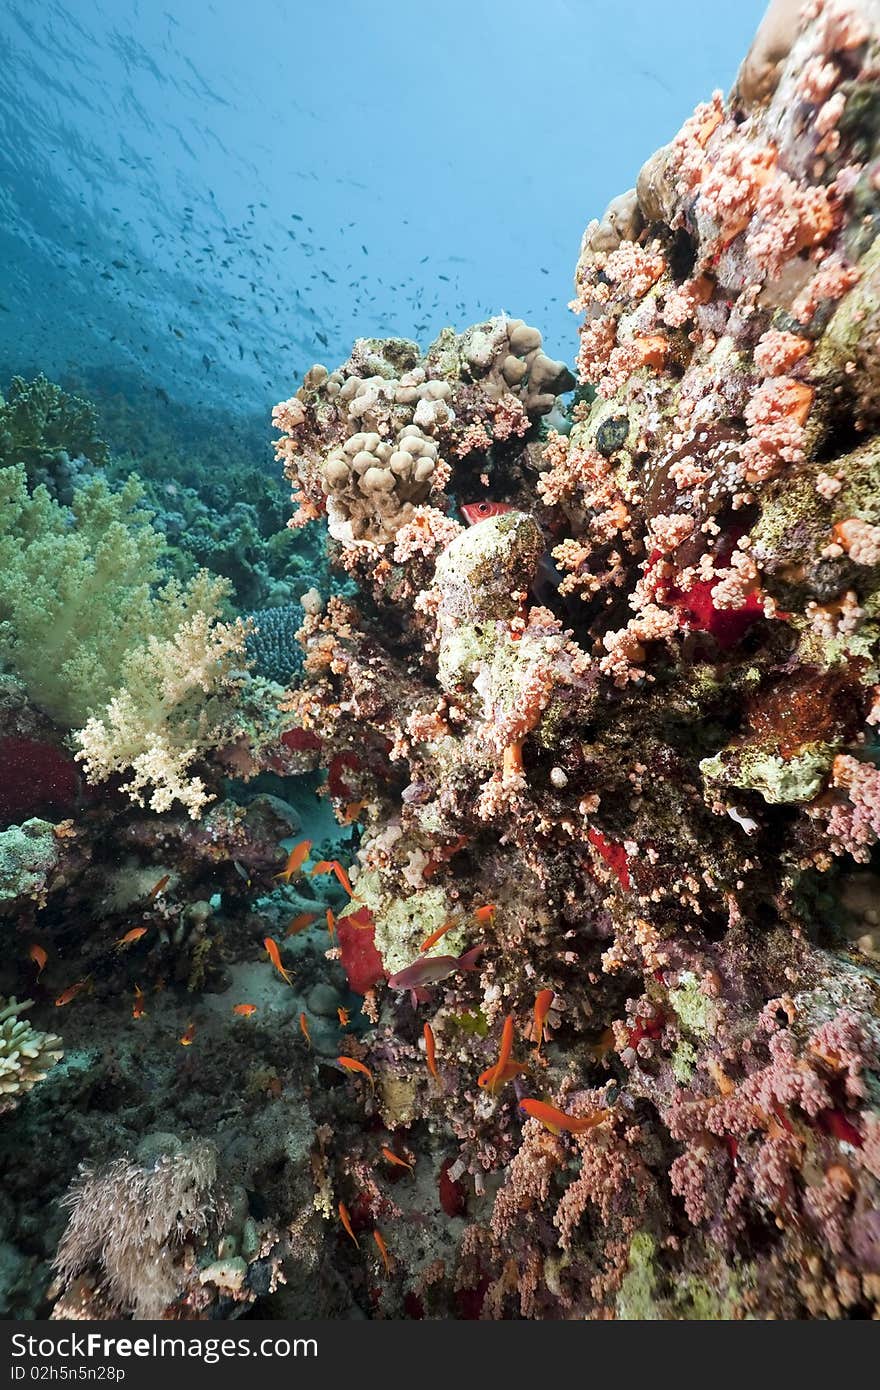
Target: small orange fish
[[331, 923], [435, 936], [187, 1038], [305, 919], [333, 866], [605, 1044], [304, 1028], [71, 992], [342, 1014], [159, 887], [344, 880], [431, 1051], [39, 958], [443, 855], [383, 1251], [137, 1008], [503, 1054], [543, 1000], [352, 1064], [295, 860], [352, 811], [362, 919], [396, 1159], [130, 937], [275, 957], [244, 1010], [491, 1078], [555, 1120], [485, 914], [345, 1218]]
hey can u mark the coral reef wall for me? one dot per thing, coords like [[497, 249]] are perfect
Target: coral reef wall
[[617, 738]]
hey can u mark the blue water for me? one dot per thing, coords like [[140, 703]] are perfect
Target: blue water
[[210, 199]]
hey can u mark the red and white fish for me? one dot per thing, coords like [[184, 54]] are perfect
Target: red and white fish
[[475, 512]]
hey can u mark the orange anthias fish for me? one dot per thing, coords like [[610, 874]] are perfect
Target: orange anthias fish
[[342, 1015], [362, 919], [543, 1000], [331, 923], [137, 1008], [443, 855], [244, 1010], [71, 992], [130, 937], [333, 866], [295, 860], [305, 919], [345, 1218], [39, 958], [435, 936], [159, 887], [503, 1054], [396, 1159], [383, 1251], [352, 811], [352, 1064], [187, 1039], [275, 957], [555, 1120], [605, 1044], [485, 914], [304, 1028], [343, 878], [431, 1051], [490, 1076]]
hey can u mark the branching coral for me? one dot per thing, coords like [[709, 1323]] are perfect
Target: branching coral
[[176, 700], [26, 1056], [52, 434]]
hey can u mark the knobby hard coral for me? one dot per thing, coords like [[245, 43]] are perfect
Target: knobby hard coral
[[371, 443]]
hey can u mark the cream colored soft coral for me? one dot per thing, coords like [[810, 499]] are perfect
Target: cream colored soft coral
[[172, 707]]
